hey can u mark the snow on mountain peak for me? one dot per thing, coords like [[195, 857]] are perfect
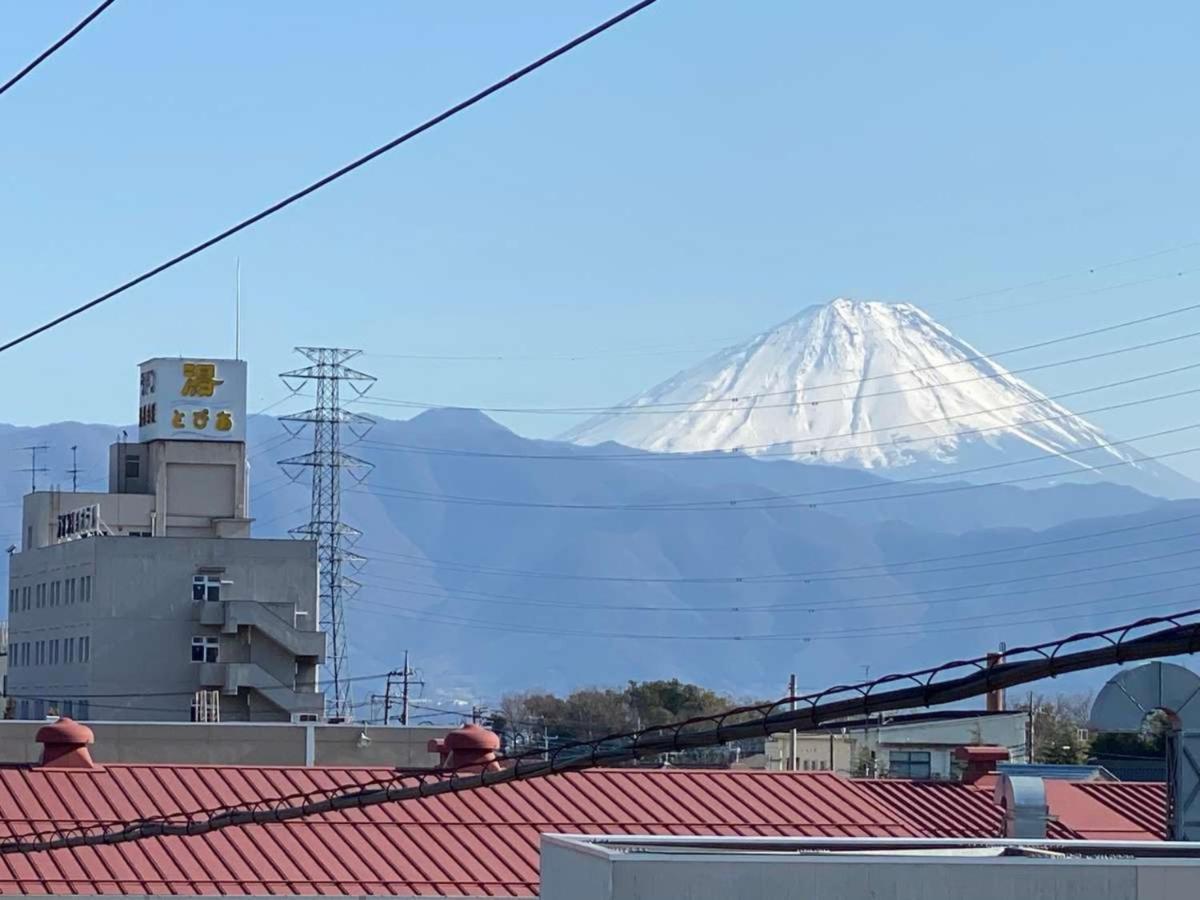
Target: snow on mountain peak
[[864, 383]]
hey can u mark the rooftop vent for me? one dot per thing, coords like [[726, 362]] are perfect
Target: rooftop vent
[[1025, 811], [65, 745], [469, 747]]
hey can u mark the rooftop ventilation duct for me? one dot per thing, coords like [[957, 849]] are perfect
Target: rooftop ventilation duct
[[1025, 811], [1124, 703]]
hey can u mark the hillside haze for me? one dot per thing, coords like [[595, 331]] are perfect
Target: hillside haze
[[504, 563], [875, 386]]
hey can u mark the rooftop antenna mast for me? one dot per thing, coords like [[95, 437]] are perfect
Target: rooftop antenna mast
[[326, 461], [34, 468], [74, 470], [237, 311]]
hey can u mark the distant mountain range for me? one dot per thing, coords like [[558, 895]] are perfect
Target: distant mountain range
[[634, 551], [506, 563], [877, 386]]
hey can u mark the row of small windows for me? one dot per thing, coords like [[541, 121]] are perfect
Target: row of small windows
[[39, 709], [51, 593], [813, 765], [23, 654]]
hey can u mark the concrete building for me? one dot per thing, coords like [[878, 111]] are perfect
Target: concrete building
[[152, 601], [917, 746]]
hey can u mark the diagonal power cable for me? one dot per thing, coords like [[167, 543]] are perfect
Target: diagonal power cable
[[334, 176], [53, 48]]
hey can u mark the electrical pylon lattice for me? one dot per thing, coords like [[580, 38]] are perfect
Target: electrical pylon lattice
[[335, 538]]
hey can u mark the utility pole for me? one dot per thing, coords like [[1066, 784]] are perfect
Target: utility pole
[[869, 759], [326, 460], [406, 681], [74, 468], [792, 705], [34, 468], [387, 699]]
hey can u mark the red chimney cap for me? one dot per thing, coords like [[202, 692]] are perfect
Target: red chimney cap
[[472, 738], [64, 744]]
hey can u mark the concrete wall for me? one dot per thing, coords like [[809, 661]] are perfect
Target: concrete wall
[[121, 513], [814, 753], [141, 620], [571, 873], [238, 744]]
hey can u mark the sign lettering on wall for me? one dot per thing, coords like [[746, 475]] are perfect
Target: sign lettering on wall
[[79, 523], [184, 399]]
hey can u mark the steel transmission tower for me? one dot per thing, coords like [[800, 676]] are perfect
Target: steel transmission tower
[[326, 461]]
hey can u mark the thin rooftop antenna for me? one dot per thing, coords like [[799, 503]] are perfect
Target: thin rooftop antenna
[[74, 468], [237, 311], [34, 468]]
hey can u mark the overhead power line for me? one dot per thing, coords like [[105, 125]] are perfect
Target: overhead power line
[[946, 683], [914, 629], [334, 176], [1003, 373], [438, 592], [775, 577], [730, 505], [53, 48], [713, 345], [648, 408]]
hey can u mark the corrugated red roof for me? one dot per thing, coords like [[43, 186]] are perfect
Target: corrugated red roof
[[478, 843]]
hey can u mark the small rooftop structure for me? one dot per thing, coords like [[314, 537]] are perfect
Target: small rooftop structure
[[1056, 771]]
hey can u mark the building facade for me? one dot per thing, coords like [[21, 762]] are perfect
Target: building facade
[[152, 601], [919, 747]]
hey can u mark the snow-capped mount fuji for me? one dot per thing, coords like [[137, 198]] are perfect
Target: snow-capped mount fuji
[[872, 385]]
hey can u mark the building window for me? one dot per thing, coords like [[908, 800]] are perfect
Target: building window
[[85, 589], [54, 652], [69, 650], [39, 709], [85, 649], [68, 709], [25, 597], [70, 592], [206, 649], [12, 601], [206, 587], [909, 764], [81, 709], [25, 653], [133, 466], [40, 654]]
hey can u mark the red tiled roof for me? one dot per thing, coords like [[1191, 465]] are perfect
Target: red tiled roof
[[481, 843]]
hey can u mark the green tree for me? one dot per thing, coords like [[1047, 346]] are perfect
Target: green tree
[[1060, 728]]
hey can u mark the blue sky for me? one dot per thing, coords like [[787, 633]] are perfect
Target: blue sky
[[700, 173]]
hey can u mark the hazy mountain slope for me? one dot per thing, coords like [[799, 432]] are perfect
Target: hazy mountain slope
[[468, 587], [872, 385]]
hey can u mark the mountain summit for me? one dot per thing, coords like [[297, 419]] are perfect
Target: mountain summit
[[872, 385]]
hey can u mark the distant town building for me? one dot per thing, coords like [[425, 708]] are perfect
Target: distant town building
[[919, 747], [151, 601]]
